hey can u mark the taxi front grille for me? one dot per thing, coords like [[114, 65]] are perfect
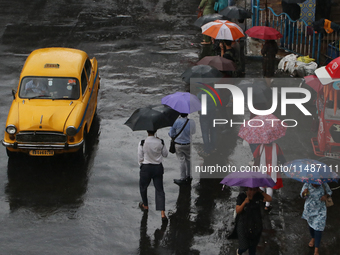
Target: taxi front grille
[[41, 137]]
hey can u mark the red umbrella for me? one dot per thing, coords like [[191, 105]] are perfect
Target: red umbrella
[[265, 33], [218, 62], [314, 82]]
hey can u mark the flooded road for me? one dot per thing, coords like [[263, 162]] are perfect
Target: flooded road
[[62, 206]]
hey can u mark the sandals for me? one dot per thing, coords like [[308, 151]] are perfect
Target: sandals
[[311, 243], [141, 206]]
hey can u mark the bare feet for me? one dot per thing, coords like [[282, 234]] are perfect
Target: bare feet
[[311, 243]]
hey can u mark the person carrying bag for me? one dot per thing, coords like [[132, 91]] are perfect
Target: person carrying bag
[[180, 134], [172, 148]]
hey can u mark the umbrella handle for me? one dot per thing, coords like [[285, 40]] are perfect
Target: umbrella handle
[[223, 187]]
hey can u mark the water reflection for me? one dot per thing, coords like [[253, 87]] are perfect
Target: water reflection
[[180, 236], [46, 185], [146, 246]]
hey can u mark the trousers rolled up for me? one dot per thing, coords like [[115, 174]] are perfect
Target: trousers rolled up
[[183, 155], [153, 172]]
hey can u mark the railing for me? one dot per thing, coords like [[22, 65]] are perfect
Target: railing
[[298, 36], [331, 45]]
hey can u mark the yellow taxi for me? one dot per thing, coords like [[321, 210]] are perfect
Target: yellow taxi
[[54, 105]]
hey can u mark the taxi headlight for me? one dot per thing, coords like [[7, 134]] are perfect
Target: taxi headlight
[[11, 129], [71, 131]]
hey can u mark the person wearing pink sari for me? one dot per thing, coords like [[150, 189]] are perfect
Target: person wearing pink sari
[[270, 157]]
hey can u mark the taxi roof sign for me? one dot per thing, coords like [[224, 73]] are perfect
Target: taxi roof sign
[[51, 66]]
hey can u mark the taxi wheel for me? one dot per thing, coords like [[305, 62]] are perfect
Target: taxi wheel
[[83, 150]]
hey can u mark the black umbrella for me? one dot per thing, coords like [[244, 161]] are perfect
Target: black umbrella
[[234, 12], [201, 71], [207, 18], [294, 1], [152, 117]]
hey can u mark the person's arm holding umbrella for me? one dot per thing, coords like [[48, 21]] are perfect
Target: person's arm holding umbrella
[[164, 151], [140, 153], [304, 191], [250, 194], [239, 208]]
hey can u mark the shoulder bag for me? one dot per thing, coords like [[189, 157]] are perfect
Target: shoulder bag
[[172, 148], [329, 200]]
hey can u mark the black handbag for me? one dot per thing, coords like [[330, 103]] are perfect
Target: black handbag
[[172, 148]]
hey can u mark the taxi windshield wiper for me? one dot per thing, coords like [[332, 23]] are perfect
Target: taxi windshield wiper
[[40, 96]]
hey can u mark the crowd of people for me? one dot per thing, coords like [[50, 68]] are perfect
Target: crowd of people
[[248, 223], [235, 50]]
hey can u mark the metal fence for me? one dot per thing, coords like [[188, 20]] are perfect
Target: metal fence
[[298, 36]]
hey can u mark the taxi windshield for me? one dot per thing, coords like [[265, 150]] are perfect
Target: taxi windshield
[[49, 88]]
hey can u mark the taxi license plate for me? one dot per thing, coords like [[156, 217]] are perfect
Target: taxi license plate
[[41, 152]]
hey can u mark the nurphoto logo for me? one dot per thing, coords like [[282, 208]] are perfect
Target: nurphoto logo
[[242, 93]]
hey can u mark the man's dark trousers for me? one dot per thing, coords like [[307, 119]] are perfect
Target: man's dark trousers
[[153, 172]]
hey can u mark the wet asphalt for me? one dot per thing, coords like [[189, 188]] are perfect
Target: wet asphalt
[[63, 206]]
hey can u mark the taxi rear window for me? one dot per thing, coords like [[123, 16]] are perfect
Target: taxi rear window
[[49, 88]]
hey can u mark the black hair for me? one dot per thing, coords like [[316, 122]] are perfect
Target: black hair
[[183, 115], [228, 42], [150, 132]]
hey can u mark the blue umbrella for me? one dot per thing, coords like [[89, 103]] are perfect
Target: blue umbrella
[[183, 102], [310, 171]]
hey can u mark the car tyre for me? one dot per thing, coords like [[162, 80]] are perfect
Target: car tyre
[[83, 150]]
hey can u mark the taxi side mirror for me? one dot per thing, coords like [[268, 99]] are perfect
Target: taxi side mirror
[[13, 93]]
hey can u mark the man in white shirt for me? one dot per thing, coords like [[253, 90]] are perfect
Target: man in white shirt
[[150, 154]]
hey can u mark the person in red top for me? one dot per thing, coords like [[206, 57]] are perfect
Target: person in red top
[[270, 157]]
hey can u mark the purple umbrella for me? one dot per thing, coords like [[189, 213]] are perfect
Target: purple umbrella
[[248, 179], [183, 102]]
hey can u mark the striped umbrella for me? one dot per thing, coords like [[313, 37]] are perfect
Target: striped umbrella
[[223, 30]]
